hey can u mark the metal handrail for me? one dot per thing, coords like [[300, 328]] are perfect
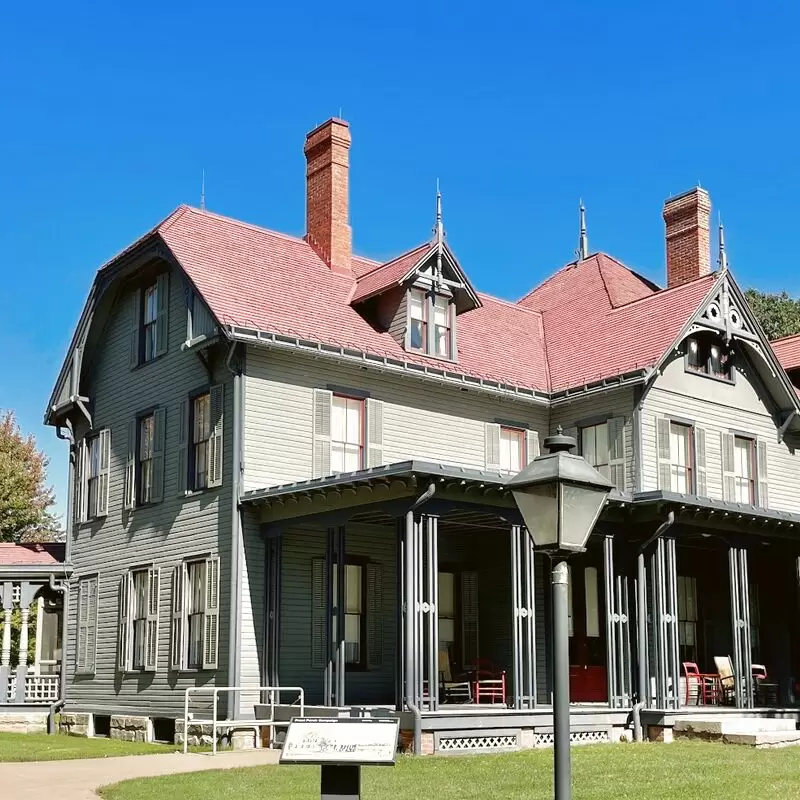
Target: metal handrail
[[229, 723]]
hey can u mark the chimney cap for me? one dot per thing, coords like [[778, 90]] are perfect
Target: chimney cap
[[694, 196]]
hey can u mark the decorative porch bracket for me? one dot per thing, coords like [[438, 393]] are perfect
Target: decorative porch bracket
[[740, 622], [663, 624], [524, 617], [618, 637]]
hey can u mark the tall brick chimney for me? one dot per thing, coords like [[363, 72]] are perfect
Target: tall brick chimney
[[327, 163], [686, 218]]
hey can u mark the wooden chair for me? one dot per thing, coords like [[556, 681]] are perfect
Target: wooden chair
[[706, 685], [765, 693], [727, 681], [490, 683], [452, 691]]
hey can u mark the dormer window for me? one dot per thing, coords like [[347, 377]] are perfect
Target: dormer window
[[707, 355], [441, 326], [430, 323], [418, 325]]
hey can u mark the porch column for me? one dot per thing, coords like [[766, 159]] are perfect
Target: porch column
[[523, 617], [334, 675], [5, 650], [664, 626], [618, 640], [430, 607], [740, 627], [272, 638], [22, 667]]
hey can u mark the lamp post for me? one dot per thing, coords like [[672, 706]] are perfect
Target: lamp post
[[560, 496]]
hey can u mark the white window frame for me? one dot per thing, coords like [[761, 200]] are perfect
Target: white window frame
[[421, 296], [341, 449], [601, 461], [512, 438], [150, 599], [681, 457], [744, 478], [180, 643]]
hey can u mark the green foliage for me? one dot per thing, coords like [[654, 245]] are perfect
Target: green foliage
[[778, 314], [25, 500], [16, 627]]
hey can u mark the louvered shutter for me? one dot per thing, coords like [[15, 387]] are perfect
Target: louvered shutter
[[178, 631], [91, 625], [321, 440], [103, 476], [124, 629], [763, 476], [374, 428], [130, 468], [159, 447], [136, 331], [217, 407], [701, 487], [728, 467], [80, 649], [492, 447], [319, 627], [151, 631], [211, 615], [616, 452], [374, 616], [83, 477], [183, 448], [162, 319], [469, 618], [532, 448], [664, 454]]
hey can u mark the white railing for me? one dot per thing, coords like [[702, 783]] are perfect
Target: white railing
[[42, 688], [12, 689], [274, 698]]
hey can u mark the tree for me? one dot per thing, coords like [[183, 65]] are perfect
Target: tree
[[25, 500], [778, 314]]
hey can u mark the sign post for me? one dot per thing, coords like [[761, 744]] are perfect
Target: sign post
[[341, 746]]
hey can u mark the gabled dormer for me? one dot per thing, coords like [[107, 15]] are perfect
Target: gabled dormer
[[418, 296]]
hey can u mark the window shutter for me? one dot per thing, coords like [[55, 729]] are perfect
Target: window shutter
[[130, 467], [728, 460], [701, 487], [92, 593], [162, 320], [616, 452], [492, 447], [211, 615], [217, 407], [321, 440], [664, 454], [319, 638], [374, 429], [178, 637], [136, 333], [159, 446], [469, 618], [762, 475], [151, 633], [124, 630], [374, 616], [83, 478], [532, 448], [80, 650], [183, 448], [102, 481]]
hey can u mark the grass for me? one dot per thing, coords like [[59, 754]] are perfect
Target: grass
[[41, 747], [601, 772]]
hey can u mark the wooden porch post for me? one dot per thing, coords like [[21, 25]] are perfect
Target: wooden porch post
[[5, 650]]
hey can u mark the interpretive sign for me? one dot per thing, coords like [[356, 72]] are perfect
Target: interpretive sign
[[341, 740]]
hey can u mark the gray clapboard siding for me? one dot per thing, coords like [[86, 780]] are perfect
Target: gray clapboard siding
[[420, 420], [162, 534], [719, 407]]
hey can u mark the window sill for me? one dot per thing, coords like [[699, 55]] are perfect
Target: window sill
[[197, 492], [191, 670], [719, 378]]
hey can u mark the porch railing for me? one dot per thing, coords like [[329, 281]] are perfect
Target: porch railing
[[42, 688]]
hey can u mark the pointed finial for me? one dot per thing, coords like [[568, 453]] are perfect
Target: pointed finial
[[723, 256], [203, 192], [583, 239], [438, 236]]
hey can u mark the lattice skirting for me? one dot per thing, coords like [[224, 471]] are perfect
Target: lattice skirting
[[575, 737], [489, 742]]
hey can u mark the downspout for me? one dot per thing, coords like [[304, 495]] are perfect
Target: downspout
[[409, 621], [641, 625], [63, 588], [234, 631]]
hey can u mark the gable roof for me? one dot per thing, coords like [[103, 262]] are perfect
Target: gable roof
[[389, 274], [30, 554], [787, 350]]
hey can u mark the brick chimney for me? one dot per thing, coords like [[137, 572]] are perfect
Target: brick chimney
[[327, 163], [686, 218]]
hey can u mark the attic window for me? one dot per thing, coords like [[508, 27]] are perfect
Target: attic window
[[418, 325], [441, 326], [707, 355], [430, 323]]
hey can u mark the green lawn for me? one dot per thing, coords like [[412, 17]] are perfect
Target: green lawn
[[689, 771], [41, 747]]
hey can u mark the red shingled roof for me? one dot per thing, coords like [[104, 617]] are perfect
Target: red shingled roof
[[31, 554], [387, 275], [788, 351]]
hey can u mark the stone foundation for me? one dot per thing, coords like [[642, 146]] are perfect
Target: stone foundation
[[199, 734], [76, 724], [131, 729], [30, 722]]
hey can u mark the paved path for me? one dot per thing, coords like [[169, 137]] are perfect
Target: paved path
[[77, 780]]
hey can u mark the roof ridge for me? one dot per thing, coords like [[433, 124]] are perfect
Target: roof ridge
[[553, 275], [510, 304], [392, 260], [666, 290]]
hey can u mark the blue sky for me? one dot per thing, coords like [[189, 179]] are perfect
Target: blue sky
[[111, 111]]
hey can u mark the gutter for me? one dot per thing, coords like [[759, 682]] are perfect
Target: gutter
[[409, 623], [234, 630]]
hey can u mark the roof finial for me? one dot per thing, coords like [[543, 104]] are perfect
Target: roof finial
[[438, 233], [203, 192], [583, 240], [723, 256]]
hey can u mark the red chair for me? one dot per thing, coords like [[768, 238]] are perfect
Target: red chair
[[490, 683], [707, 684]]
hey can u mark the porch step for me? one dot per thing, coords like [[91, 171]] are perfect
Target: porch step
[[725, 727], [764, 740]]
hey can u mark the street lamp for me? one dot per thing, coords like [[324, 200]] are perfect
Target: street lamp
[[560, 496]]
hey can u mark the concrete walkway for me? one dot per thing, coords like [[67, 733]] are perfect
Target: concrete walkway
[[78, 779]]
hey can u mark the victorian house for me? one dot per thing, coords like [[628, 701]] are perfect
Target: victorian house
[[288, 468]]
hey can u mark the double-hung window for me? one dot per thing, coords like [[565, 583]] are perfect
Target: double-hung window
[[687, 618], [681, 458], [195, 615], [594, 447], [418, 320], [512, 449], [347, 434], [426, 309], [145, 457], [447, 611], [744, 469], [354, 618], [139, 618], [93, 476], [441, 326], [195, 599], [201, 435], [150, 322], [137, 644]]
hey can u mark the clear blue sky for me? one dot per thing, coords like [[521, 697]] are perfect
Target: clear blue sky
[[110, 113]]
